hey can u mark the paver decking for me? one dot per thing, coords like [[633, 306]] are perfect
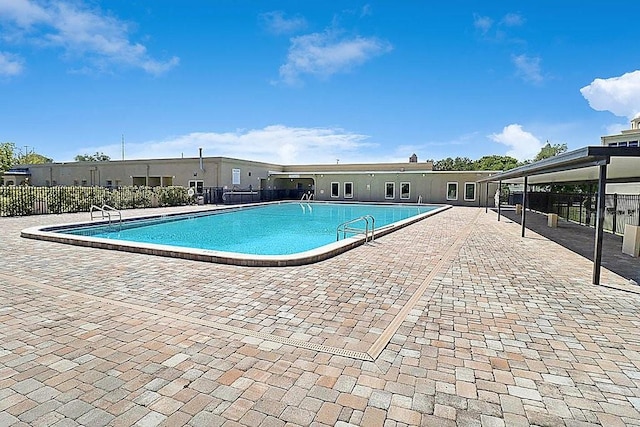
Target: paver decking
[[455, 320]]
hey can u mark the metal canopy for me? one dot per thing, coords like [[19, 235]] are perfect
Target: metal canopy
[[577, 166], [596, 163]]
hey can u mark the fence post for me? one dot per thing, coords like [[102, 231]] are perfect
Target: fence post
[[615, 213]]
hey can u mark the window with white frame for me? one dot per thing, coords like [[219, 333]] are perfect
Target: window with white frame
[[197, 185], [335, 189], [405, 190], [348, 190], [452, 191], [235, 176], [389, 190], [469, 190]]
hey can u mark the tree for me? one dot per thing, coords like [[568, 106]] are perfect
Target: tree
[[495, 163], [486, 163], [457, 164], [33, 159], [7, 155], [98, 157], [550, 150]]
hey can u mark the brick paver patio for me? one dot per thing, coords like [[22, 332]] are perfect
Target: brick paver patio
[[455, 320]]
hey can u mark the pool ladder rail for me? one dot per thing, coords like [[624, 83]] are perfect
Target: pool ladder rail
[[308, 197], [105, 211], [369, 230]]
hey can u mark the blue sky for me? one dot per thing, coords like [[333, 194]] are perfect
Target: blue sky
[[305, 82]]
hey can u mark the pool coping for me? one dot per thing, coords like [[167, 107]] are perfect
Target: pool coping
[[49, 233]]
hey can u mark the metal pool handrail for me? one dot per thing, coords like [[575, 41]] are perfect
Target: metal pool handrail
[[105, 210], [345, 227]]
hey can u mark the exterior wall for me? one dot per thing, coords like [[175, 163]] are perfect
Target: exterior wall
[[250, 174], [215, 172], [626, 138], [367, 182], [430, 186], [630, 188]]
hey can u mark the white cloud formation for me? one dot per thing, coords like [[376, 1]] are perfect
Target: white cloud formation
[[275, 22], [523, 145], [325, 54], [10, 65], [619, 95], [512, 20], [482, 23], [80, 31], [528, 68], [485, 24], [273, 144], [23, 12]]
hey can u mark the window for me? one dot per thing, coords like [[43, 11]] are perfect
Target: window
[[335, 189], [235, 176], [197, 185], [633, 143], [452, 191], [405, 190], [348, 190], [109, 183], [84, 182], [389, 190], [469, 190]]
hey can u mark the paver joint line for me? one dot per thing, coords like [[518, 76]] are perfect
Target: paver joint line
[[384, 339]]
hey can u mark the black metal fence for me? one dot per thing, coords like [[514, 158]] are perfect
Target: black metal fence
[[27, 200], [219, 195], [620, 209]]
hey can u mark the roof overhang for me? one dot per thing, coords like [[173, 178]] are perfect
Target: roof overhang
[[577, 166]]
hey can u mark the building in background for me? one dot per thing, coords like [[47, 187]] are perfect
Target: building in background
[[409, 182]]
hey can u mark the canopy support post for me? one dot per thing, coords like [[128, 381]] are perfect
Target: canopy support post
[[597, 252], [499, 193], [486, 198], [524, 204]]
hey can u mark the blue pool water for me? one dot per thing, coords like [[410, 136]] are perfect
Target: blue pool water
[[278, 229]]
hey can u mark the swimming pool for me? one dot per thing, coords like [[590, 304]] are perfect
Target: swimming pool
[[284, 233]]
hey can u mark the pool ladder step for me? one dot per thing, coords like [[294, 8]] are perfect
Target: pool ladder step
[[348, 227]]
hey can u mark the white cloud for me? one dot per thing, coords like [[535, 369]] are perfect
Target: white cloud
[[80, 31], [528, 68], [275, 22], [619, 95], [512, 20], [273, 144], [325, 54], [366, 11], [482, 23], [10, 65], [523, 145]]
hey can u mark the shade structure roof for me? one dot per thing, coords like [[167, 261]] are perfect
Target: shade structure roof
[[596, 163], [577, 166]]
